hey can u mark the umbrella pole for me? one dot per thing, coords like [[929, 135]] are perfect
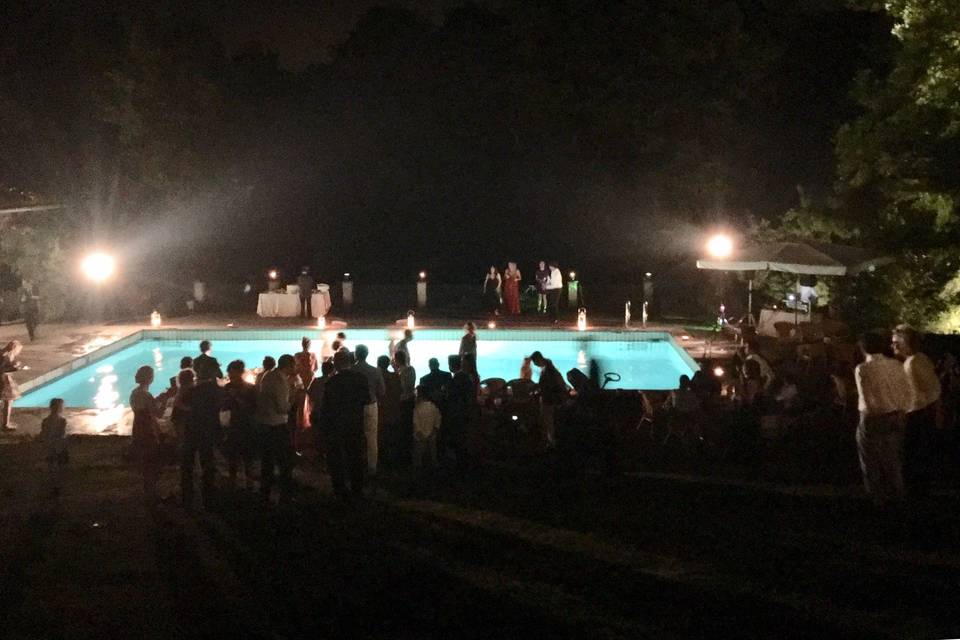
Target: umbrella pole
[[796, 306]]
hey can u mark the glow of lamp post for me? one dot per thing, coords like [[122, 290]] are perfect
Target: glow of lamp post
[[98, 267], [582, 319], [155, 319], [322, 323], [411, 321], [720, 246], [272, 274]]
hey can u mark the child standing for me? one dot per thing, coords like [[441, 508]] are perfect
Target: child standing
[[426, 425], [53, 429]]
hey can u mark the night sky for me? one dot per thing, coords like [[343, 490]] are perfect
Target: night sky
[[442, 135]]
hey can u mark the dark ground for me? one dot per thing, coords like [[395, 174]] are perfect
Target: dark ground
[[655, 556]]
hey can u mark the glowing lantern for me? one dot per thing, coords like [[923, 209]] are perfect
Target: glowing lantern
[[491, 325], [410, 319], [582, 319], [155, 319], [272, 274]]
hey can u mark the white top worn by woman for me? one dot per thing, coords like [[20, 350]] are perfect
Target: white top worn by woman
[[924, 383]]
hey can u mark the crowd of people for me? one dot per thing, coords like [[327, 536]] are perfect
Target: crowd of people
[[361, 415], [358, 417], [898, 396], [501, 291]]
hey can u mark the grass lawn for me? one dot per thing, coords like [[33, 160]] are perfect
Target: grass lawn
[[497, 555]]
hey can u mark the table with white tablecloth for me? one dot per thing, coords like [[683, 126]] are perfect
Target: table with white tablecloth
[[287, 305], [769, 318]]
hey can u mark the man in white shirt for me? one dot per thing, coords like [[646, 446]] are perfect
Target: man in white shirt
[[921, 412], [273, 408], [554, 287], [884, 394], [371, 410]]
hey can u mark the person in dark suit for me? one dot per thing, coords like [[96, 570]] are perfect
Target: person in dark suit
[[434, 384], [344, 397], [306, 284]]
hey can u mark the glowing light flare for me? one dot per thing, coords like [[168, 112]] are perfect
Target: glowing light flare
[[155, 319], [250, 377], [582, 319], [491, 325], [272, 274], [720, 246], [98, 267], [718, 371], [411, 320], [322, 323], [423, 275], [573, 275]]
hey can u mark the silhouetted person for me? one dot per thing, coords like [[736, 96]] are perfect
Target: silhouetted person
[[241, 402], [202, 429], [434, 384], [371, 410], [553, 392], [921, 419], [884, 396], [31, 312], [461, 398], [341, 415], [389, 409], [206, 365], [306, 284], [273, 409]]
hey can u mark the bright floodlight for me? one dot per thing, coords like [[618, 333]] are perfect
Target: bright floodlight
[[98, 266], [720, 246]]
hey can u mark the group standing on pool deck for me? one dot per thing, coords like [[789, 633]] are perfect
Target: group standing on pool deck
[[502, 291]]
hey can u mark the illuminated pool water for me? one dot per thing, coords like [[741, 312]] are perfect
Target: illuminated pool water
[[645, 360]]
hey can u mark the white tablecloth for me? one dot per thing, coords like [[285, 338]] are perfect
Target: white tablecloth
[[287, 305], [769, 317]]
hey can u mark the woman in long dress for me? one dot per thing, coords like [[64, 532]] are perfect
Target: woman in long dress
[[542, 276], [491, 291], [146, 434], [511, 289], [8, 388]]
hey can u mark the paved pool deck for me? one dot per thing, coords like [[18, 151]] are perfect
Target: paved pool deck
[[59, 344]]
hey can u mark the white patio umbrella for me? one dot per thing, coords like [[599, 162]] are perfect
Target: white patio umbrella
[[801, 258]]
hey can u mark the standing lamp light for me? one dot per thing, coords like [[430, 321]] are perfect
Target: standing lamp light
[[626, 314], [347, 291], [322, 323], [410, 319], [582, 319], [155, 319], [422, 290], [97, 267], [573, 290]]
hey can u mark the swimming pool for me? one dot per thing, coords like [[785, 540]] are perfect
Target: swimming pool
[[103, 379]]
